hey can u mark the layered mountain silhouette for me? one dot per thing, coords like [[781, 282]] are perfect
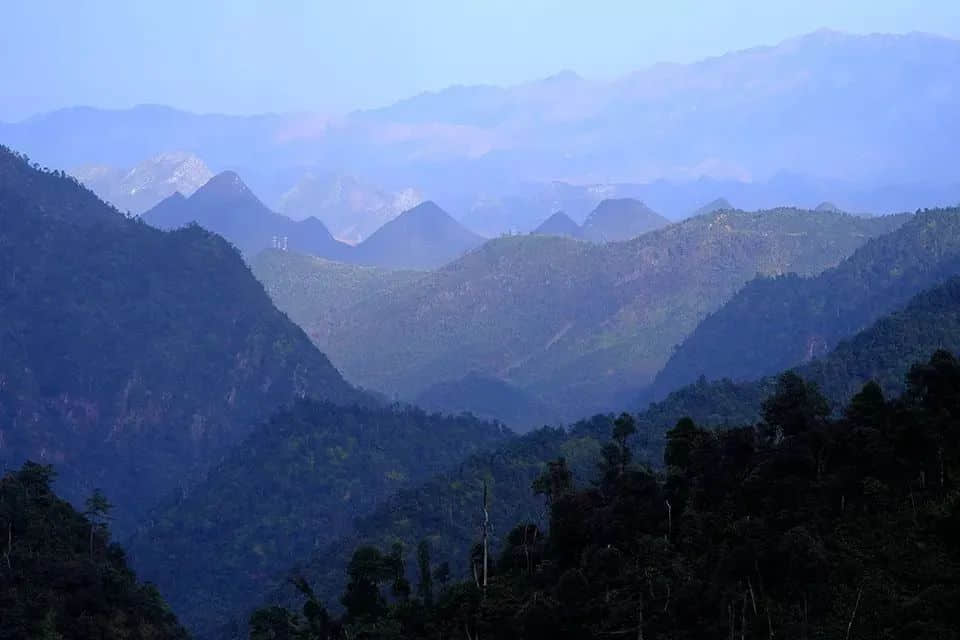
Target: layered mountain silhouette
[[350, 208], [132, 357], [423, 237], [616, 220], [225, 205], [804, 107], [559, 224]]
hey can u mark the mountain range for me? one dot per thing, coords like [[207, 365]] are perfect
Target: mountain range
[[569, 322], [855, 120], [351, 209], [145, 185], [423, 237], [225, 205]]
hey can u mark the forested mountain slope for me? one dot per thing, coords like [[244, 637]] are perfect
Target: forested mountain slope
[[131, 357], [572, 322], [292, 487], [776, 323], [314, 291], [61, 577]]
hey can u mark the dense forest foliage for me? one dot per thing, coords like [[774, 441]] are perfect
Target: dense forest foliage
[[572, 323], [290, 489], [60, 576], [776, 323], [132, 358], [798, 526]]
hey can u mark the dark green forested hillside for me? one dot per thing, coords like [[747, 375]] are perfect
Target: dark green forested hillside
[[60, 576], [131, 358], [884, 352], [574, 323], [796, 526], [291, 488], [776, 323]]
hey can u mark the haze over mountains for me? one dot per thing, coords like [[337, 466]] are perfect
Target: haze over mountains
[[145, 185], [420, 238], [796, 123]]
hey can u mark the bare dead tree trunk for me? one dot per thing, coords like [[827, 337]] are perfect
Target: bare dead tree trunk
[[743, 617], [9, 544], [486, 526], [640, 619], [669, 520], [753, 597], [853, 614]]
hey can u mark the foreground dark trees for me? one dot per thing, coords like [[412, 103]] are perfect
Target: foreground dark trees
[[805, 525]]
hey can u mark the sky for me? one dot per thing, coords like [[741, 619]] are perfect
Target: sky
[[248, 56]]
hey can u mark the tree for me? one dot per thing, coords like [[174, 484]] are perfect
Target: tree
[[98, 512], [556, 481], [616, 454], [794, 408], [425, 585], [368, 568]]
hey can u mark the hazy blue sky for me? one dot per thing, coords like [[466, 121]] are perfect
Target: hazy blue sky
[[245, 56]]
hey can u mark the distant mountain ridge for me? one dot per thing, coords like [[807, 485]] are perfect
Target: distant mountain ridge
[[350, 209], [559, 224], [424, 237], [616, 220], [225, 205], [822, 116], [145, 185]]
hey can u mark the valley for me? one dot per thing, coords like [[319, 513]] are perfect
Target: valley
[[378, 326]]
